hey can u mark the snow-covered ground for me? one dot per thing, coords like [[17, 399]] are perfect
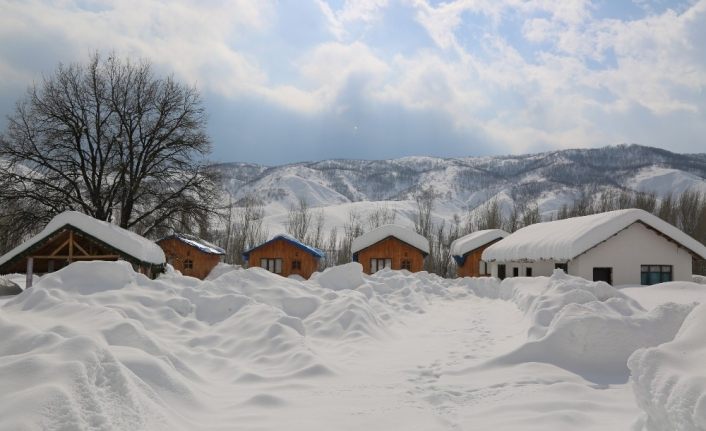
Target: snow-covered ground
[[96, 346]]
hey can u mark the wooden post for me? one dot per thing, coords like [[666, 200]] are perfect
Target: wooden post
[[71, 246], [30, 269]]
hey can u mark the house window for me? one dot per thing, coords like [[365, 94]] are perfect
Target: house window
[[562, 266], [482, 268], [501, 271], [407, 264], [515, 271], [272, 265], [188, 264], [296, 265], [378, 264], [653, 274], [528, 272]]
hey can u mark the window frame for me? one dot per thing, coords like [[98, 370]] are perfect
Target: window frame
[[272, 264], [664, 273], [375, 264]]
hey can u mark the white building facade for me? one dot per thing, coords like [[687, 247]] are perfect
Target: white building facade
[[626, 247]]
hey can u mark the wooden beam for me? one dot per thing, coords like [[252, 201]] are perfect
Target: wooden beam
[[97, 257], [58, 249], [71, 246], [76, 244]]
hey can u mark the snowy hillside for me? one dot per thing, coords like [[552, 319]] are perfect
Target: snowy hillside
[[550, 179], [98, 346]]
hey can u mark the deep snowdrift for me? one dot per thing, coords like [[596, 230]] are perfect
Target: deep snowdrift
[[589, 328], [98, 346]]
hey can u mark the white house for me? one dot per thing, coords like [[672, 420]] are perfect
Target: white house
[[621, 247]]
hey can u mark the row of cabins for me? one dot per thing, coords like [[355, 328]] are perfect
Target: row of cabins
[[619, 247]]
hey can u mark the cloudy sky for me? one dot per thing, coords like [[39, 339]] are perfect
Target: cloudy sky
[[292, 80]]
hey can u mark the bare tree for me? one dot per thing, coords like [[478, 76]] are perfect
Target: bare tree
[[352, 229], [380, 216], [299, 220], [425, 204], [112, 140], [246, 229], [488, 216], [316, 237], [531, 215]]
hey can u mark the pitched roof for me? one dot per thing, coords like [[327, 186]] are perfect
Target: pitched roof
[[290, 239], [569, 238], [476, 239], [120, 239], [402, 233], [196, 242]]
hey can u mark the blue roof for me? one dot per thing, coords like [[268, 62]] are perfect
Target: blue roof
[[307, 248]]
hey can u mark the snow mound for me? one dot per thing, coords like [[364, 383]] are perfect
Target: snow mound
[[99, 346], [348, 276], [669, 381], [589, 328]]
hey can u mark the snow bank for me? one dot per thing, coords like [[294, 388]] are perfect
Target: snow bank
[[378, 234], [669, 380], [589, 328], [98, 346], [565, 239], [121, 239]]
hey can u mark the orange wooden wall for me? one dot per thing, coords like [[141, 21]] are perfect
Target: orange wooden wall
[[471, 267], [177, 252], [288, 252], [392, 248]]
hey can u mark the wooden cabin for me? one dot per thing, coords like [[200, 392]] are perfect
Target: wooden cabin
[[73, 236], [468, 249], [390, 246], [286, 256], [191, 255]]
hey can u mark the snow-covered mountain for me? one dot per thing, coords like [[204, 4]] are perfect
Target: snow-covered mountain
[[551, 179]]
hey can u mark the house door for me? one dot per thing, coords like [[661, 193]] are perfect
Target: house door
[[603, 274], [501, 272]]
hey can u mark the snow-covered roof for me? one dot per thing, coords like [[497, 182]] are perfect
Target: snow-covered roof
[[476, 239], [309, 249], [378, 234], [569, 238], [197, 243], [120, 239]]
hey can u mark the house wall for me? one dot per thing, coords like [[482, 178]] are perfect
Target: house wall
[[471, 267], [541, 268], [288, 252], [392, 248], [628, 250], [625, 252], [177, 252]]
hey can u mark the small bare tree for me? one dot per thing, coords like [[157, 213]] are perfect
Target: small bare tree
[[423, 223], [246, 229], [488, 216], [299, 220], [352, 229], [380, 216]]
